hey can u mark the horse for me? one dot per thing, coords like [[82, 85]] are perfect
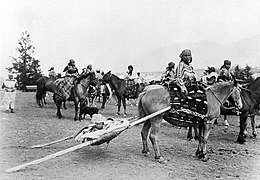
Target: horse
[[120, 87], [156, 97], [78, 94], [44, 85], [250, 95]]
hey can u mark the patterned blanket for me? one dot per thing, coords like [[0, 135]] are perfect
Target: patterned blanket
[[64, 87], [130, 88], [187, 110]]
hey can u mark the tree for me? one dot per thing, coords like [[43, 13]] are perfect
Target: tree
[[25, 66], [244, 74], [247, 74]]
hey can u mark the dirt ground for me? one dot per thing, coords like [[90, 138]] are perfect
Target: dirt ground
[[122, 157]]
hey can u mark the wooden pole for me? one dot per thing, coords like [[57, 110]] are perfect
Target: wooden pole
[[51, 156], [149, 116], [73, 148], [53, 142]]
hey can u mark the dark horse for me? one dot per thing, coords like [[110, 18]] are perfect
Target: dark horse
[[156, 97], [119, 86], [44, 85], [78, 93], [250, 95]]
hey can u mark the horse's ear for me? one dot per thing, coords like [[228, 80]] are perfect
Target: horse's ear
[[109, 72]]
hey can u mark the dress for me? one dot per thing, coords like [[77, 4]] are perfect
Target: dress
[[64, 87], [185, 73], [8, 101], [225, 74]]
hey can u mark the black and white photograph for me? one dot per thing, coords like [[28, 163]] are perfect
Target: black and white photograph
[[130, 89]]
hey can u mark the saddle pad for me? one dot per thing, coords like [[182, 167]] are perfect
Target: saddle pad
[[187, 110]]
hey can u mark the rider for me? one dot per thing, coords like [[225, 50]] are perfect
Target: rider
[[185, 74], [226, 75], [225, 72], [210, 76], [52, 73], [129, 73], [169, 73], [71, 72], [89, 69], [130, 83]]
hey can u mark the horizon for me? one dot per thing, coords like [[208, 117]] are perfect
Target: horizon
[[148, 34]]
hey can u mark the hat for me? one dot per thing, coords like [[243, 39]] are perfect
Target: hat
[[98, 118], [227, 62], [171, 64], [72, 61], [185, 52], [52, 68], [210, 69], [130, 66]]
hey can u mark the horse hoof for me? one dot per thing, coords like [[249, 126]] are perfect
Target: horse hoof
[[162, 160], [146, 154], [189, 138], [205, 158], [241, 140], [253, 136]]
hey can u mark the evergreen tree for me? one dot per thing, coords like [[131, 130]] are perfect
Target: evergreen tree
[[25, 66], [247, 74]]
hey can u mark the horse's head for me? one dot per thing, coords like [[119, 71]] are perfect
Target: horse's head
[[107, 77], [93, 79], [236, 95]]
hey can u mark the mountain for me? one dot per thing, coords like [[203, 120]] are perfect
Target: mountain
[[205, 53]]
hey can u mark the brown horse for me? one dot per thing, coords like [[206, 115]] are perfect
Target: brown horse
[[78, 94], [251, 104], [119, 86], [156, 97], [44, 85]]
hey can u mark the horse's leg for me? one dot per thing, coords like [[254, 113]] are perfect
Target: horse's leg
[[199, 149], [243, 124], [118, 105], [225, 121], [124, 105], [76, 104], [144, 135], [206, 131], [196, 136], [104, 97], [58, 101], [254, 133], [154, 132], [189, 135], [64, 104]]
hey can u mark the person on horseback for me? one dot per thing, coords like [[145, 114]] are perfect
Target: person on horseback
[[210, 76], [226, 75], [169, 74], [185, 74], [52, 73], [89, 69], [129, 74], [225, 72], [64, 87]]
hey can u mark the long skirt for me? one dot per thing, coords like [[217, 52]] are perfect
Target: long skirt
[[8, 100]]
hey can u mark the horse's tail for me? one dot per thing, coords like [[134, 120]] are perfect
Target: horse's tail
[[40, 89], [141, 111]]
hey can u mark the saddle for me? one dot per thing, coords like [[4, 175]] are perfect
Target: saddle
[[130, 88], [187, 109]]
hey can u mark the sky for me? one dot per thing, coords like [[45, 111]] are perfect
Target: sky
[[111, 34]]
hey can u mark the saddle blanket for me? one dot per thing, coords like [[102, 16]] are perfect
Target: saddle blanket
[[64, 87], [187, 110]]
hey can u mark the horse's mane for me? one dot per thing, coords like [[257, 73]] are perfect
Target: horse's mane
[[220, 85], [117, 77]]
